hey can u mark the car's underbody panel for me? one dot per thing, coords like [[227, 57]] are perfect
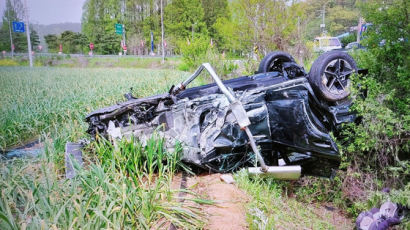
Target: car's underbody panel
[[289, 123]]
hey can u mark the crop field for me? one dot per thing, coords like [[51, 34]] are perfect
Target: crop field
[[54, 101], [116, 191]]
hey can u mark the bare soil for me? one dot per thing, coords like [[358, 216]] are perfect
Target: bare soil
[[229, 211]]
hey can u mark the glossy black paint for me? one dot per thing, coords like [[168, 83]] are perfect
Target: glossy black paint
[[289, 122]]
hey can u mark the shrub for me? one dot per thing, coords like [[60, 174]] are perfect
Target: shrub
[[348, 39], [8, 62], [201, 51]]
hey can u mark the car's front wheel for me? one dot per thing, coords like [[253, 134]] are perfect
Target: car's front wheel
[[274, 62], [330, 75]]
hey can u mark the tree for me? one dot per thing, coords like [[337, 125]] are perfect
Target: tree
[[52, 43], [13, 12], [184, 19], [34, 38], [72, 42], [226, 34], [266, 24], [389, 47], [340, 19], [214, 10], [340, 15], [98, 24]]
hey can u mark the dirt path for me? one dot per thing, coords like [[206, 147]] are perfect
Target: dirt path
[[229, 210]]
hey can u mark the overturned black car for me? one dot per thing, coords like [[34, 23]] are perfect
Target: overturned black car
[[281, 117]]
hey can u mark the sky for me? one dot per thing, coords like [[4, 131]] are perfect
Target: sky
[[51, 11]]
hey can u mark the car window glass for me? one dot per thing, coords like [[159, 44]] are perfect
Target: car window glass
[[334, 42]]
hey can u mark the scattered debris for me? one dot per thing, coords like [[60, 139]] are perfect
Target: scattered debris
[[32, 149], [73, 158], [227, 178], [388, 215]]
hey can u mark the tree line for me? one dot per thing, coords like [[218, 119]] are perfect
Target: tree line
[[236, 27], [14, 12]]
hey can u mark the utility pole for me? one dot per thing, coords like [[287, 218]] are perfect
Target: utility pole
[[123, 25], [323, 18], [193, 30], [299, 50], [162, 34], [28, 34], [323, 13], [359, 28], [11, 37]]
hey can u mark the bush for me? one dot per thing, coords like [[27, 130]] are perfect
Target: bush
[[201, 51], [8, 62], [375, 148], [388, 57], [381, 138], [195, 51], [348, 39]]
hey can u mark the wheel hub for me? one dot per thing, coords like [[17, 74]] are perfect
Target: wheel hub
[[336, 76]]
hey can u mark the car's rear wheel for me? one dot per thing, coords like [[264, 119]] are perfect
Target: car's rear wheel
[[273, 61], [330, 75]]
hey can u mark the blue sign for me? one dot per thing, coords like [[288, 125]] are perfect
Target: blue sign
[[152, 42], [18, 27]]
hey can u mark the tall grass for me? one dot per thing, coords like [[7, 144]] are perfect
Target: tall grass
[[270, 208], [54, 101], [128, 187], [121, 187]]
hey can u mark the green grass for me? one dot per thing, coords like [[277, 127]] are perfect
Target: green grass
[[122, 187], [271, 208], [118, 190], [54, 101]]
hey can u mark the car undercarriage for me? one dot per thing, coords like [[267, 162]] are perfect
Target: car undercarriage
[[280, 116]]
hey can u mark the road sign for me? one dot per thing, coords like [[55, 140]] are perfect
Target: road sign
[[118, 28], [91, 46], [152, 42], [18, 27]]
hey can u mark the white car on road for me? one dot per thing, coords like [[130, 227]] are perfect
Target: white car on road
[[325, 44]]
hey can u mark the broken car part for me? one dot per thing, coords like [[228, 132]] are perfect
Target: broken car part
[[73, 158], [285, 116], [388, 215]]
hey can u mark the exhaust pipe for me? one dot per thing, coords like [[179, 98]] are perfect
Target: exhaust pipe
[[278, 172]]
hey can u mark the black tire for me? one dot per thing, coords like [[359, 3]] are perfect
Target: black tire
[[273, 61], [330, 75]]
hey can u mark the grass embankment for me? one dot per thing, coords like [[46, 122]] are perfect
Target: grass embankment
[[117, 189], [271, 207]]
